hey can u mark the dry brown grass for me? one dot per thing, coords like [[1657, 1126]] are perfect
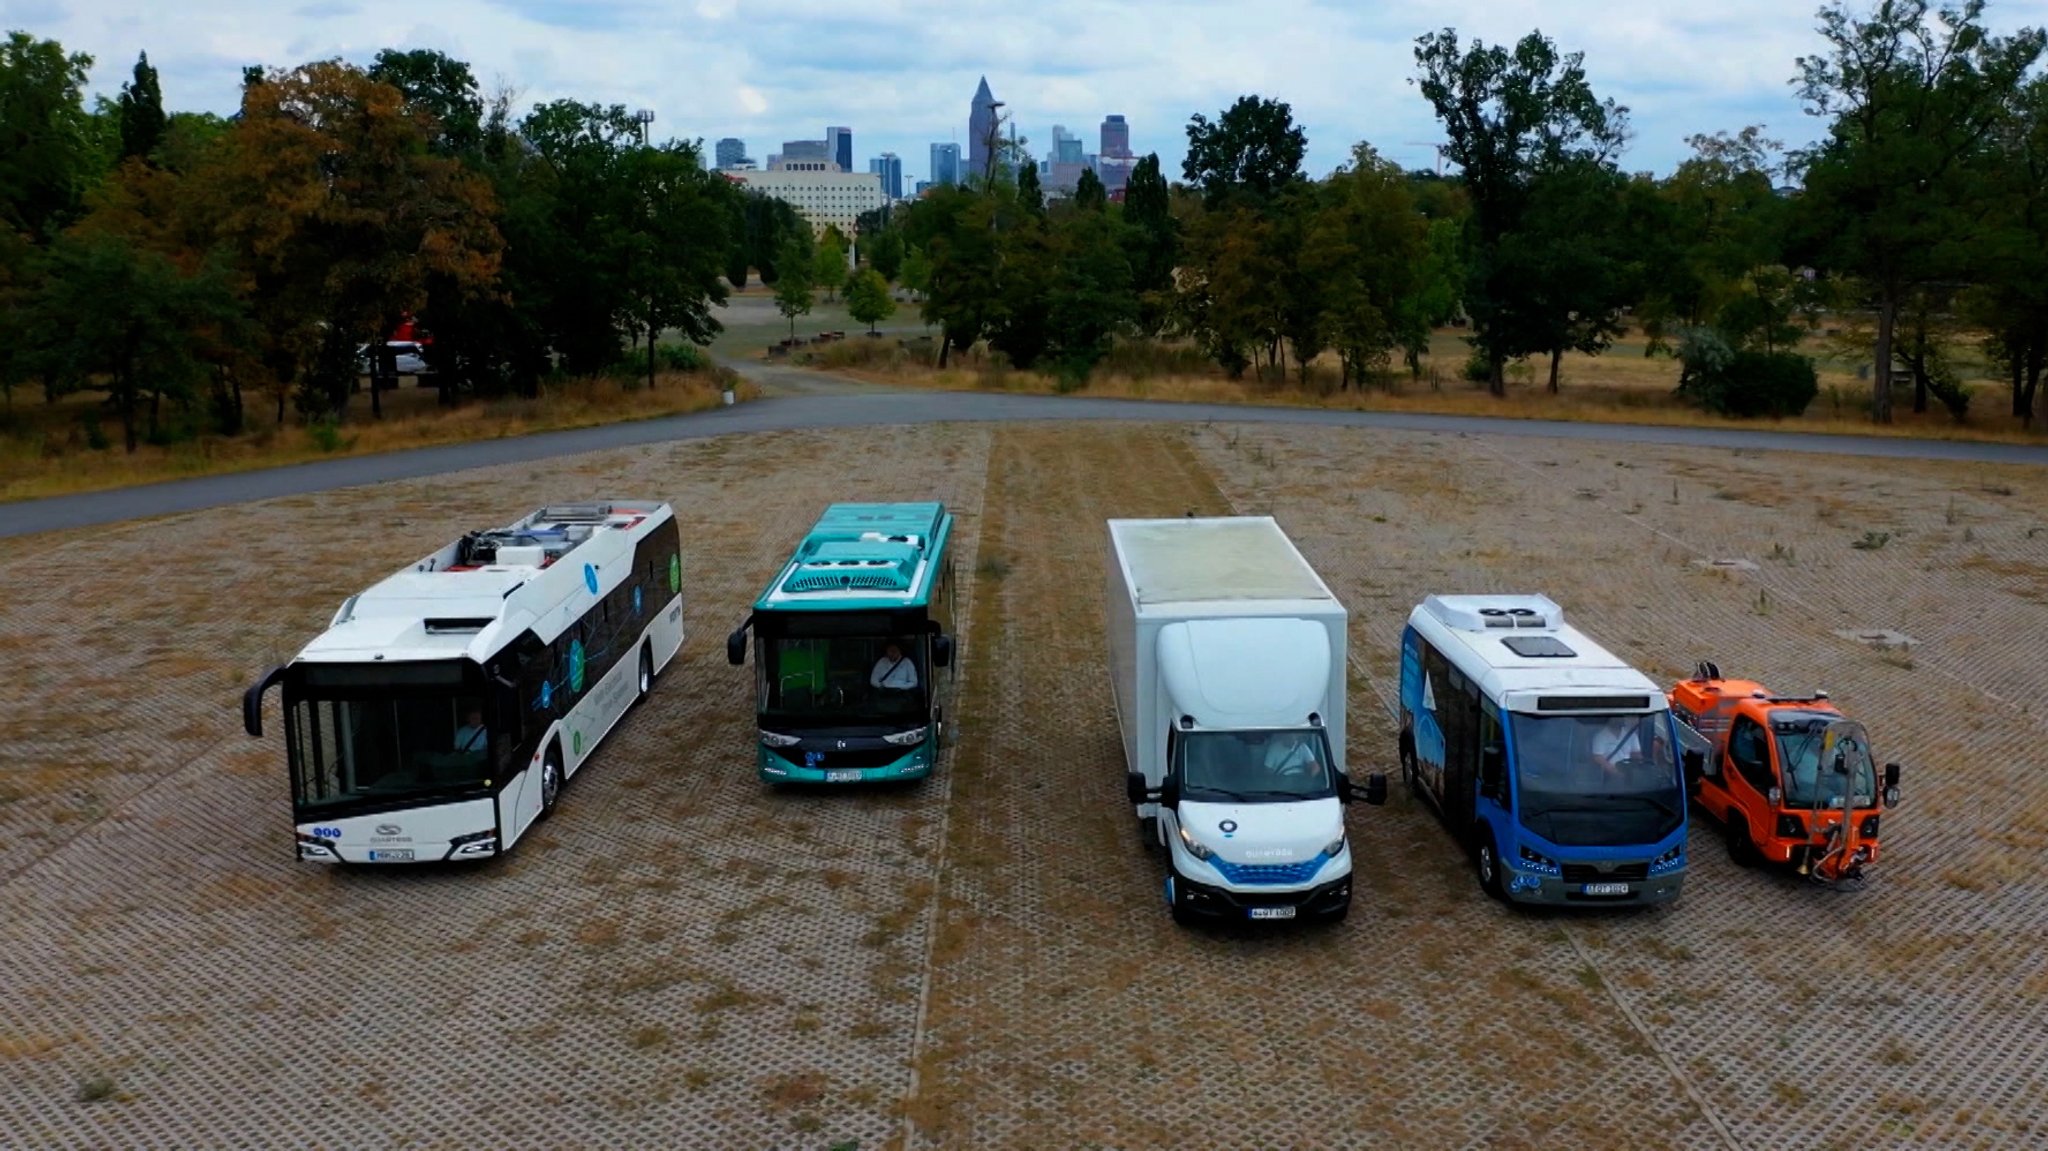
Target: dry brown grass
[[39, 460], [1616, 388]]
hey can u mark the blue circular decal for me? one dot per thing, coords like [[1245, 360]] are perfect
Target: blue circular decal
[[590, 577], [636, 601]]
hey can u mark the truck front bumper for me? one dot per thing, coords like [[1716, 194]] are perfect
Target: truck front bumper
[[1223, 905]]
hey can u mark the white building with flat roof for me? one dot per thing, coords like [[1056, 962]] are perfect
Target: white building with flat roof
[[823, 198]]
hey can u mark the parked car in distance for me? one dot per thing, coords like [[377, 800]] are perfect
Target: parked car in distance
[[412, 358]]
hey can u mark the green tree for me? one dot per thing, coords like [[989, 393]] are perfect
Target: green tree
[[142, 119], [793, 288], [1020, 323], [45, 157], [1369, 249], [680, 221], [1253, 147], [828, 264], [868, 300], [1029, 196], [439, 89], [1153, 238], [1092, 296], [1227, 299], [1507, 115], [953, 264], [885, 254], [111, 310], [1089, 194], [2011, 252], [1912, 96], [1569, 257]]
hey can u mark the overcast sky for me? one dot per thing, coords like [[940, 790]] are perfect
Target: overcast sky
[[901, 72]]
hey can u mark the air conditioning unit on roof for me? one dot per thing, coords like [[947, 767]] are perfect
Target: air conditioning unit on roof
[[1496, 612]]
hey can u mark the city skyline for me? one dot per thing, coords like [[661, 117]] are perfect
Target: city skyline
[[1346, 71]]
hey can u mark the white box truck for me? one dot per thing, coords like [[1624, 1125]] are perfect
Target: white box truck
[[1226, 655]]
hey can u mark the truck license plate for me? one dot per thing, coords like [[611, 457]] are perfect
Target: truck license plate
[[1272, 913], [399, 855], [842, 777], [1607, 889]]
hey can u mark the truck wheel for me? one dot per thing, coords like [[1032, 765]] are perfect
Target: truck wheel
[[1741, 848], [1338, 915], [1175, 905], [1148, 832], [1486, 861]]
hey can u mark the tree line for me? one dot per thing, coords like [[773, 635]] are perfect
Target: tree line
[[192, 266], [1920, 214]]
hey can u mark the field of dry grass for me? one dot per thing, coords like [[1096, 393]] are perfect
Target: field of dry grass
[[681, 957], [1620, 387], [45, 452]]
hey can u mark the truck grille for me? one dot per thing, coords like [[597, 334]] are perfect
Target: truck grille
[[1273, 873], [1622, 872]]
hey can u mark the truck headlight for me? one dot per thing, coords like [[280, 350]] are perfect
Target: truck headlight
[[1195, 846], [1669, 861], [774, 739], [906, 738], [1537, 861], [1335, 846]]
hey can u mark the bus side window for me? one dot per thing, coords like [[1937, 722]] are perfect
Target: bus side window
[[1491, 740]]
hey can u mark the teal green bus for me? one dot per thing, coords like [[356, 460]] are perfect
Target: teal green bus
[[853, 646]]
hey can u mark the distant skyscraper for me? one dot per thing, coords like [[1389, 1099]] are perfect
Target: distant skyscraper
[[1115, 162], [981, 121], [839, 142], [890, 169], [945, 163], [732, 152], [1116, 137], [1066, 147], [804, 156]]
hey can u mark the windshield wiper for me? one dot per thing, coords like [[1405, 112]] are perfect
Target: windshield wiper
[[1270, 793]]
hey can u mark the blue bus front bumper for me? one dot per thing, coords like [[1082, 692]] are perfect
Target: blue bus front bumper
[[1619, 891]]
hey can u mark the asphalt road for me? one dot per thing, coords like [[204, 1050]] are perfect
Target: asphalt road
[[801, 399]]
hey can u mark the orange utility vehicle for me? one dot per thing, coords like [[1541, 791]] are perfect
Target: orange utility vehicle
[[1779, 772]]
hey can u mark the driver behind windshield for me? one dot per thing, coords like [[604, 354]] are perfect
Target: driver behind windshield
[[894, 671], [1293, 758]]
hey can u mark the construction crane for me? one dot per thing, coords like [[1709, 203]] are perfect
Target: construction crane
[[1438, 146]]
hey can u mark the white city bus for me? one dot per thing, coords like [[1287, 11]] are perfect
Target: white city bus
[[441, 712]]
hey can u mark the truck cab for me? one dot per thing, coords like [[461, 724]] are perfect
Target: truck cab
[[1791, 778]]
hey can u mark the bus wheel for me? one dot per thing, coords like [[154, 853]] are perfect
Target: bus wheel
[[550, 779], [1409, 775], [1487, 862], [646, 674]]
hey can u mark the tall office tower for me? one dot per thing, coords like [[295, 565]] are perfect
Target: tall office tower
[[945, 163], [890, 169], [1116, 137], [839, 141], [981, 121], [732, 152]]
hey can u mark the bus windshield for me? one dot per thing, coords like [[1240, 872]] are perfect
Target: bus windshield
[[366, 745], [1597, 780], [1255, 766], [843, 679]]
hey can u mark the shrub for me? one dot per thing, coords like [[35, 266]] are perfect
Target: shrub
[[326, 435], [683, 357], [1477, 370], [1744, 384]]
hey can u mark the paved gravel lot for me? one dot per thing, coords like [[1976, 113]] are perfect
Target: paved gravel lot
[[682, 958]]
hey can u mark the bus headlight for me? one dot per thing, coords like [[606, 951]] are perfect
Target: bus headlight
[[775, 739], [474, 844], [314, 847], [1538, 862], [1669, 861], [1195, 846], [906, 738]]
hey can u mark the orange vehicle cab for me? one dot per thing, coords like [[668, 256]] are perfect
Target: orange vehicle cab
[[1780, 772]]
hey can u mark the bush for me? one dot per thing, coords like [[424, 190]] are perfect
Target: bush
[[1750, 384], [682, 357], [326, 435], [1140, 359], [1477, 370]]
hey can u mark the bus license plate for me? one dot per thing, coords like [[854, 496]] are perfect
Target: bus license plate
[[1272, 913], [842, 777], [397, 855], [1607, 889]]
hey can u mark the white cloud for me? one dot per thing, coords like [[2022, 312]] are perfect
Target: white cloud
[[902, 72]]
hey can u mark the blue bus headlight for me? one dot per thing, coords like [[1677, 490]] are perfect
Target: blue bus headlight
[[1669, 861], [906, 738], [1534, 861], [774, 739]]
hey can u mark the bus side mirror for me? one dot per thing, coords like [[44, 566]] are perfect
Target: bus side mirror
[[1695, 766], [252, 701], [736, 646], [942, 651]]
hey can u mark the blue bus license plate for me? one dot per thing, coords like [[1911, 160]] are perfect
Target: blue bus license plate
[[1606, 889]]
